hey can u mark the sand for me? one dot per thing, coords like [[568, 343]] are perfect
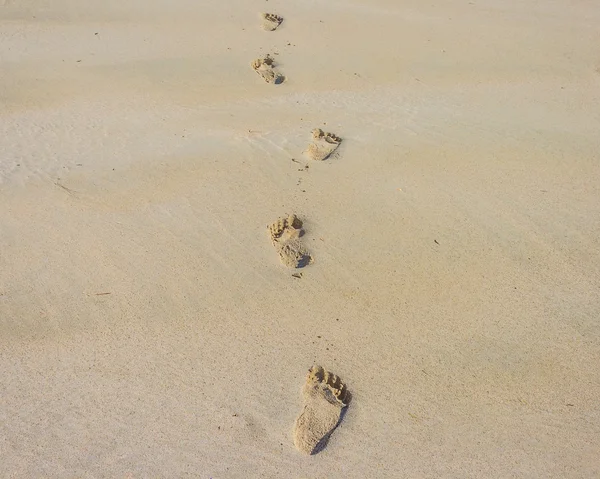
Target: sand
[[148, 327]]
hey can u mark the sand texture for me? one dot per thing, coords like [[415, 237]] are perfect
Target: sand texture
[[149, 325]]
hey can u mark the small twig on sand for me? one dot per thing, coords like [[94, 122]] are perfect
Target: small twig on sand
[[68, 190]]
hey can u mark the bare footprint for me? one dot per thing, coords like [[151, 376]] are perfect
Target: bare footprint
[[285, 234], [325, 397], [271, 21], [265, 68], [323, 145]]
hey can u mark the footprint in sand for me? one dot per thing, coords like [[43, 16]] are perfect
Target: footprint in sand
[[285, 234], [265, 68], [271, 21], [325, 397], [323, 145]]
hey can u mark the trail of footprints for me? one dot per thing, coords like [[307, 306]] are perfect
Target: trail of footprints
[[324, 395]]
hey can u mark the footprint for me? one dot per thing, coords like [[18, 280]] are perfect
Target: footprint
[[265, 68], [271, 21], [323, 145], [285, 234], [325, 397]]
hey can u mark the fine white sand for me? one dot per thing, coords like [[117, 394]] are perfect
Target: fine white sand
[[147, 325]]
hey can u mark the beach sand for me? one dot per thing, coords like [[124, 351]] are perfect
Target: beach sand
[[147, 325]]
